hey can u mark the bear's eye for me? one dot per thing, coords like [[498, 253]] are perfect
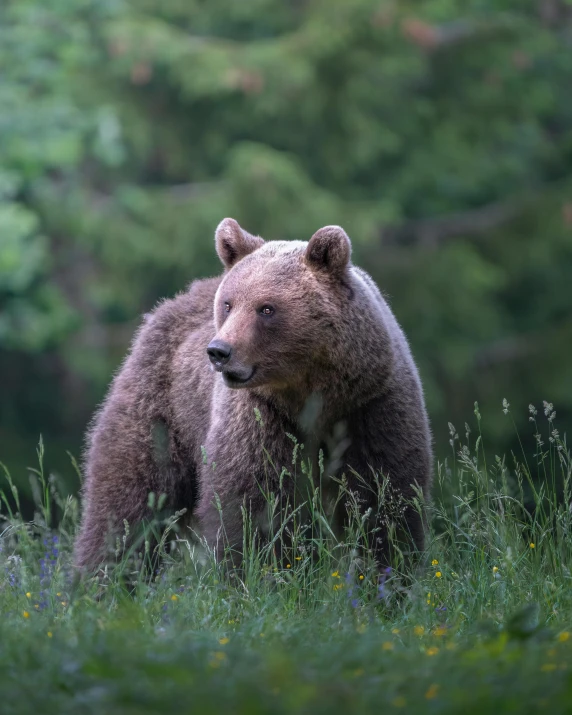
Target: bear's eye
[[227, 307], [266, 310]]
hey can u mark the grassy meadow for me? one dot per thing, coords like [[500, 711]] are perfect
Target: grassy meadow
[[482, 623]]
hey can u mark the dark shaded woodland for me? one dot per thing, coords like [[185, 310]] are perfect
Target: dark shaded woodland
[[439, 134]]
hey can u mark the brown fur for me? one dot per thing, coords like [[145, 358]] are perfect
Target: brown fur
[[328, 353]]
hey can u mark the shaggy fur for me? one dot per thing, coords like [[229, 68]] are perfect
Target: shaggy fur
[[301, 342]]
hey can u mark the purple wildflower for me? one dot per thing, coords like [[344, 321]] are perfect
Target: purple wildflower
[[350, 590], [13, 578], [350, 586], [381, 586], [47, 568], [12, 570]]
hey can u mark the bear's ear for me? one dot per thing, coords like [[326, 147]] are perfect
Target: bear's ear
[[329, 250], [233, 242]]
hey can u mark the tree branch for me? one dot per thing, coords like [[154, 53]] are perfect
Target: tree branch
[[507, 349], [431, 37], [433, 232]]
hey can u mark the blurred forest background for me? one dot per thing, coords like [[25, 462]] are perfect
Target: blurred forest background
[[438, 133]]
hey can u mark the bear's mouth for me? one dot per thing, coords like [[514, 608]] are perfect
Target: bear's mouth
[[237, 379]]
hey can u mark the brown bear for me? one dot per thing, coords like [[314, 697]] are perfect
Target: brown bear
[[292, 340]]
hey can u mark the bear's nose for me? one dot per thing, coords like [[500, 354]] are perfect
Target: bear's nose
[[219, 352]]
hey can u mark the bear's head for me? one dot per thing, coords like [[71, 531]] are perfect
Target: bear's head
[[279, 308]]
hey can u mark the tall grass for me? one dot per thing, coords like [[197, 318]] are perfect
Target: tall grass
[[308, 623]]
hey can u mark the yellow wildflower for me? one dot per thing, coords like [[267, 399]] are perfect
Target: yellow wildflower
[[223, 641], [434, 562], [28, 595], [174, 597], [432, 651], [532, 545], [438, 574], [26, 614], [419, 630], [336, 574], [387, 645], [288, 566], [432, 691], [495, 569], [564, 636], [50, 634], [395, 631], [337, 586], [298, 558], [361, 577], [217, 658], [440, 631]]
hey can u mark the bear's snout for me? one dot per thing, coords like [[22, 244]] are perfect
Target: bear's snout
[[219, 352], [234, 372]]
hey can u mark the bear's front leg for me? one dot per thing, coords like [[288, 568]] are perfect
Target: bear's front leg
[[244, 455], [127, 459], [387, 464], [395, 523]]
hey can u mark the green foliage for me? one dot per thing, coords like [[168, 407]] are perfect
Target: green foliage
[[438, 133], [482, 624]]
